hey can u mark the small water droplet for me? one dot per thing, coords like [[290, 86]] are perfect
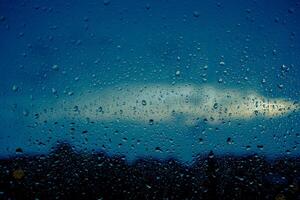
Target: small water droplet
[[2, 18], [151, 121], [144, 102], [15, 88], [158, 149], [25, 113], [55, 67], [196, 14], [19, 150], [261, 147], [215, 105], [54, 91], [280, 86], [106, 2], [148, 6], [229, 141]]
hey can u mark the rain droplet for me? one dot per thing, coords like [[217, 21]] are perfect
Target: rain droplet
[[54, 91], [99, 109], [148, 186], [15, 88], [196, 14], [106, 2], [75, 108], [148, 6], [229, 141], [222, 63], [158, 149], [291, 10], [18, 174], [261, 147], [215, 105], [284, 68], [25, 113], [151, 121], [19, 150], [55, 67], [2, 18], [200, 140]]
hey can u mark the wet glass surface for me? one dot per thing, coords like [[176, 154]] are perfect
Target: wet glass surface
[[150, 99]]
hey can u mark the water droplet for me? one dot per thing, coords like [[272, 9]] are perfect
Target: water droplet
[[144, 102], [148, 6], [75, 108], [215, 105], [2, 18], [18, 174], [19, 150], [222, 63], [99, 109], [151, 121], [177, 73], [196, 14], [55, 67], [229, 141], [284, 68], [261, 147], [54, 91], [106, 2], [86, 19], [15, 88], [291, 10], [148, 186], [200, 140], [36, 116], [158, 149], [25, 113]]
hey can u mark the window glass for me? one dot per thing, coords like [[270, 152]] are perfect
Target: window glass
[[125, 99]]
